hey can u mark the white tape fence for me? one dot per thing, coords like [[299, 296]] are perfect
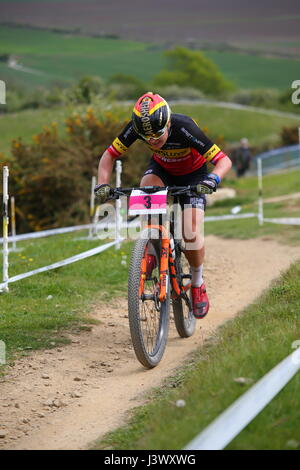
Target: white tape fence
[[274, 161], [65, 262], [4, 286], [232, 421]]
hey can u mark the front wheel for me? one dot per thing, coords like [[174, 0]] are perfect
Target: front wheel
[[148, 317]]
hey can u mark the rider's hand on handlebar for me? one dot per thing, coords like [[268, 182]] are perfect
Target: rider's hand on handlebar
[[102, 192], [208, 185]]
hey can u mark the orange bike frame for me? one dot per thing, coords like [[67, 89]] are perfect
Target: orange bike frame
[[165, 256]]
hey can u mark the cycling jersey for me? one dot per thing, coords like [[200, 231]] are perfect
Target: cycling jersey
[[186, 150]]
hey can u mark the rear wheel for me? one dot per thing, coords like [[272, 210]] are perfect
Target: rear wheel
[[148, 317], [185, 321]]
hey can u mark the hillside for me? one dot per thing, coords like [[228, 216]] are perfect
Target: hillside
[[271, 24], [44, 58]]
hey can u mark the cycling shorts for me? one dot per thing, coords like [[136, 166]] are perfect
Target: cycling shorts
[[195, 177]]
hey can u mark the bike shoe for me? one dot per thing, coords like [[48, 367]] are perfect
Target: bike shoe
[[150, 265], [200, 301]]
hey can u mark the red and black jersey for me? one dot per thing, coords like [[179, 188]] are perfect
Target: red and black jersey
[[186, 149]]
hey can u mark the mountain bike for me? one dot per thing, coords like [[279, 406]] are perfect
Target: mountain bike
[[150, 288]]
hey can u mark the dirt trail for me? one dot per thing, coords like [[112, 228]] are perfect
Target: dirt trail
[[67, 397]]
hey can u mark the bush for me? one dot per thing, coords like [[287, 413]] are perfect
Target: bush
[[125, 87], [85, 90], [174, 92], [18, 99], [193, 69], [262, 98], [290, 135]]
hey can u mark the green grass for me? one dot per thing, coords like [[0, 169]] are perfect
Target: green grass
[[248, 346], [277, 184], [28, 319], [234, 124], [253, 71], [67, 57], [247, 197], [27, 123], [231, 124]]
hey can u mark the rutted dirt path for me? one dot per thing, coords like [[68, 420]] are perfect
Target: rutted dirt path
[[67, 397]]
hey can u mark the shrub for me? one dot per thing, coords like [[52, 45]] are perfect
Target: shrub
[[125, 87], [290, 135], [175, 92], [193, 69], [263, 98], [85, 90]]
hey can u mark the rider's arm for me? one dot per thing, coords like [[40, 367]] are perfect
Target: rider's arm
[[222, 166], [105, 167], [115, 150]]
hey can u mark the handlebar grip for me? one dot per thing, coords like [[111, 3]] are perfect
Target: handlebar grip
[[203, 189]]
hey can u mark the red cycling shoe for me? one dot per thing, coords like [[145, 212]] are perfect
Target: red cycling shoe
[[150, 265], [200, 301]]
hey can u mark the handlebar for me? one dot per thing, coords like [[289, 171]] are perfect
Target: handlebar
[[196, 190]]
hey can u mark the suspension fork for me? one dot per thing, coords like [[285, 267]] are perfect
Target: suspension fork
[[143, 272], [164, 263], [173, 276]]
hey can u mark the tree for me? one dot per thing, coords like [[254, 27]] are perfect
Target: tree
[[188, 68]]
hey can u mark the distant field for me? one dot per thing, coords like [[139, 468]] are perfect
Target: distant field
[[215, 21], [61, 58], [251, 71]]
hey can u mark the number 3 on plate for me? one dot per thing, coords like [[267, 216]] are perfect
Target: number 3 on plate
[[147, 202]]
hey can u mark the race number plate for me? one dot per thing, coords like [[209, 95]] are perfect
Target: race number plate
[[144, 203]]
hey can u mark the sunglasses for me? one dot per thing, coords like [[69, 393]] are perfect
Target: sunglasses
[[155, 136]]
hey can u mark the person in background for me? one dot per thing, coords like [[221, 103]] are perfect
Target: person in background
[[242, 158]]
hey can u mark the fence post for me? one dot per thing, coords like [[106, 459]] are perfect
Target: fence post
[[118, 204], [260, 192], [13, 222], [92, 207], [299, 139], [5, 228]]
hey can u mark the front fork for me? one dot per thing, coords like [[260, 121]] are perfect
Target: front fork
[[167, 259]]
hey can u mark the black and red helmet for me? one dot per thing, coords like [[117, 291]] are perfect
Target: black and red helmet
[[150, 116]]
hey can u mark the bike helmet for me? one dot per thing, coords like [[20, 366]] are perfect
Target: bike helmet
[[150, 116]]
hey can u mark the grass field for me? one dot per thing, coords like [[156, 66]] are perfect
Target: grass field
[[247, 196], [230, 124], [31, 321], [63, 58], [252, 71]]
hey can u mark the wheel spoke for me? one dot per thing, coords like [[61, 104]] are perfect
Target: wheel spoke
[[150, 317]]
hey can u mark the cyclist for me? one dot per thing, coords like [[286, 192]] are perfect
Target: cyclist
[[181, 152]]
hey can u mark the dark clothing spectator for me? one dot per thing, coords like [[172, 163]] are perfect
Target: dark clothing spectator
[[242, 158]]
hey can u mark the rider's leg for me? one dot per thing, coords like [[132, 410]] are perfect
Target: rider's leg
[[193, 234], [151, 180]]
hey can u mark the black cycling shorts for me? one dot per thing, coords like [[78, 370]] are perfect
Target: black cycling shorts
[[195, 177]]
